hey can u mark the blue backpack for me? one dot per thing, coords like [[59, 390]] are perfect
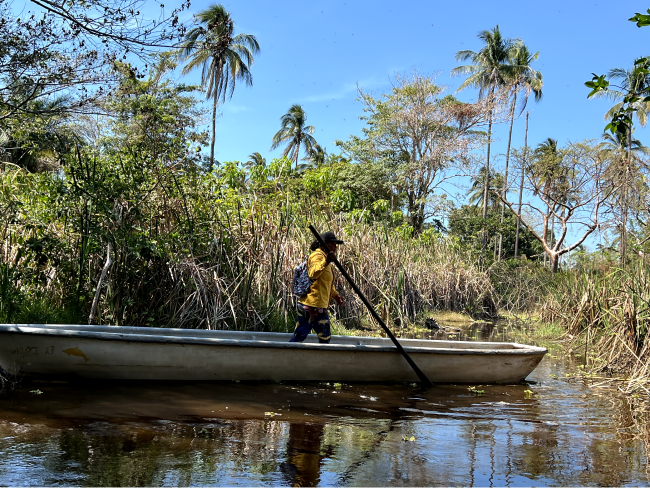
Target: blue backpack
[[301, 280]]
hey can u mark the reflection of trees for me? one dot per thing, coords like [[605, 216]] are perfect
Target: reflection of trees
[[371, 452], [103, 454], [461, 440], [572, 455]]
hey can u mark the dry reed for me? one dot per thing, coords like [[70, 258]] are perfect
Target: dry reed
[[401, 276], [606, 316]]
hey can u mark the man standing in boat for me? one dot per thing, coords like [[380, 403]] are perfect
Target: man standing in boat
[[312, 306]]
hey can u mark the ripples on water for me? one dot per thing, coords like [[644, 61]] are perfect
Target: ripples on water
[[138, 434]]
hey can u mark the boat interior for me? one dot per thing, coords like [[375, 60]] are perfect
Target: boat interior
[[262, 336]]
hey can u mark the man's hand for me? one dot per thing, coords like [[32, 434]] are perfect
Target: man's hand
[[339, 300]]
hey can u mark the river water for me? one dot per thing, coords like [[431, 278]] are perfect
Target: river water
[[553, 430]]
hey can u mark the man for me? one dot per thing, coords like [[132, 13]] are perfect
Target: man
[[312, 306]]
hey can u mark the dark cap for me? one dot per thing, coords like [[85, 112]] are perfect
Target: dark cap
[[330, 237]]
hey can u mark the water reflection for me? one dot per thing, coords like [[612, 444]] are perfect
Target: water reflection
[[113, 434], [304, 458], [501, 331]]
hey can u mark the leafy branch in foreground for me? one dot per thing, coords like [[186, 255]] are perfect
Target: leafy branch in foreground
[[641, 20], [635, 96]]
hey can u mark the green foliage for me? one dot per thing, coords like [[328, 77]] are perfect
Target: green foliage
[[597, 84], [634, 91], [350, 186], [155, 119], [466, 223], [642, 20], [419, 137]]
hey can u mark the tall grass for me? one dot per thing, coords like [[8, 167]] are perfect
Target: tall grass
[[188, 252], [243, 281], [606, 313]]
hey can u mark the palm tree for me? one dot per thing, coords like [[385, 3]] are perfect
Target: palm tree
[[45, 134], [634, 83], [489, 71], [547, 164], [615, 145], [223, 57], [521, 186], [317, 156], [524, 79], [254, 160], [495, 183], [622, 156], [294, 133]]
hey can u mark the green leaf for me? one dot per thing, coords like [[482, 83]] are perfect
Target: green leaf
[[641, 19], [597, 84]]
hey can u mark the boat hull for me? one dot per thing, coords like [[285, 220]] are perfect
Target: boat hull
[[131, 353]]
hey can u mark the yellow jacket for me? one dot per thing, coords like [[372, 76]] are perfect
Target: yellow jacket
[[322, 289]]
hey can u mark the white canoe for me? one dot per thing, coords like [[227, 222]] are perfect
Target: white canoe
[[143, 353]]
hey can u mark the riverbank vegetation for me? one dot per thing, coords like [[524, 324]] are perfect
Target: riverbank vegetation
[[114, 211]]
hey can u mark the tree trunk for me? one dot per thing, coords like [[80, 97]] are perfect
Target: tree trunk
[[521, 188], [486, 184], [214, 132], [102, 277], [554, 261], [626, 193], [505, 176], [417, 219], [486, 179], [296, 151], [552, 227]]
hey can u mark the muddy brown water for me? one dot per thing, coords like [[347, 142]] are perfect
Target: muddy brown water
[[552, 430]]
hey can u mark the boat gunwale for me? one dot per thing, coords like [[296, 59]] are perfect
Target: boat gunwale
[[60, 331]]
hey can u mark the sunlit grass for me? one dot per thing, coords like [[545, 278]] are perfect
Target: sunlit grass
[[445, 317]]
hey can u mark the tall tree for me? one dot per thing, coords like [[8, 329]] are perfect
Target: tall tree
[[630, 84], [550, 179], [569, 184], [294, 133], [524, 163], [489, 71], [66, 50], [254, 160], [622, 176], [475, 194], [525, 80], [222, 56], [423, 137]]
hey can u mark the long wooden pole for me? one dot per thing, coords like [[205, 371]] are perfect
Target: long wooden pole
[[423, 378]]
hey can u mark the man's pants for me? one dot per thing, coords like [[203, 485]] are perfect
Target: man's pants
[[318, 319]]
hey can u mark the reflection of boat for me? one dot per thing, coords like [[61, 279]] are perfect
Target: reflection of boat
[[182, 354]]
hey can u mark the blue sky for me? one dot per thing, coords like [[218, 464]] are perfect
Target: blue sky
[[315, 53]]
